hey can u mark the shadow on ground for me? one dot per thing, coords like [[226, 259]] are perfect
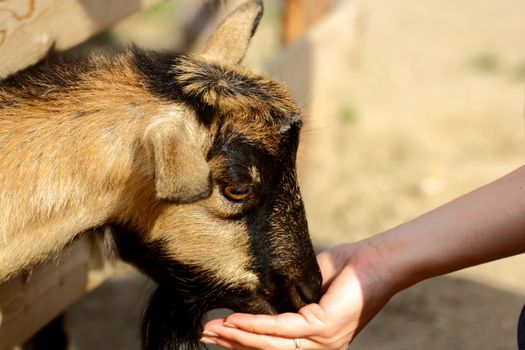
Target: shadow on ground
[[443, 313]]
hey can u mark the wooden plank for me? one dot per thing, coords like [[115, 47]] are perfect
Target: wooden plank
[[29, 28], [30, 301]]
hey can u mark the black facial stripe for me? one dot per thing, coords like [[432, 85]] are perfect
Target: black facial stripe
[[279, 189], [274, 177]]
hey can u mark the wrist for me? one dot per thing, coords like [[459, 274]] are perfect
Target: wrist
[[372, 261], [394, 262]]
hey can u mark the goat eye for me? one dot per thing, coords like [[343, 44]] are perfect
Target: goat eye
[[237, 193]]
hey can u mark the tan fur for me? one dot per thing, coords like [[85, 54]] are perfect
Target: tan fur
[[63, 174], [174, 146]]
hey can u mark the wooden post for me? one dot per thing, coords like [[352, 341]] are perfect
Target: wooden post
[[299, 15], [30, 301], [29, 28]]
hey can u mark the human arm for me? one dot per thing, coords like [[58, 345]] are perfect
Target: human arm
[[481, 226]]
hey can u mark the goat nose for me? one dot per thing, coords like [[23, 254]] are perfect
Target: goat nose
[[310, 288], [294, 293]]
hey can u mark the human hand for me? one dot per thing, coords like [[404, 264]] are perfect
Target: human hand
[[357, 284]]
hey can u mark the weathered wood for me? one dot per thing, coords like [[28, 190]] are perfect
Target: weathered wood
[[29, 28], [299, 15], [30, 301]]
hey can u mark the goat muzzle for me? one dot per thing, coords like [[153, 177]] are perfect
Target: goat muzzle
[[289, 294]]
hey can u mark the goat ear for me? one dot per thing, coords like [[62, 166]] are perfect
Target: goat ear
[[230, 41], [181, 172]]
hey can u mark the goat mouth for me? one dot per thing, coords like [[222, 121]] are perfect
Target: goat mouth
[[174, 321], [285, 296], [269, 304], [259, 304]]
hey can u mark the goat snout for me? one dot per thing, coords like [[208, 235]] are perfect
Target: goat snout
[[310, 289], [292, 293]]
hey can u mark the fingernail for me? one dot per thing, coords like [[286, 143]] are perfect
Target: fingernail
[[207, 340], [209, 333], [228, 324]]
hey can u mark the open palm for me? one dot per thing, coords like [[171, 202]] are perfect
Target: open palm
[[355, 289]]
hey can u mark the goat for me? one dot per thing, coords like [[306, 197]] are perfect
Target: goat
[[190, 157]]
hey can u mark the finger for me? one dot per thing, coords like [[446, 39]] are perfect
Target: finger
[[223, 343], [288, 325], [216, 341], [233, 338], [331, 262], [328, 270], [327, 337], [236, 346], [218, 321], [345, 291]]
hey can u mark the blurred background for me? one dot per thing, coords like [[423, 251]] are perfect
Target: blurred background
[[408, 104]]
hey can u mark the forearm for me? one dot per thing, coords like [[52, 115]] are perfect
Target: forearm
[[481, 226]]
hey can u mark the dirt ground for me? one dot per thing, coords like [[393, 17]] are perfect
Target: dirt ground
[[429, 107]]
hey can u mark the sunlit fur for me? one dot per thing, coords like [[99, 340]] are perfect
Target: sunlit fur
[[146, 142]]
